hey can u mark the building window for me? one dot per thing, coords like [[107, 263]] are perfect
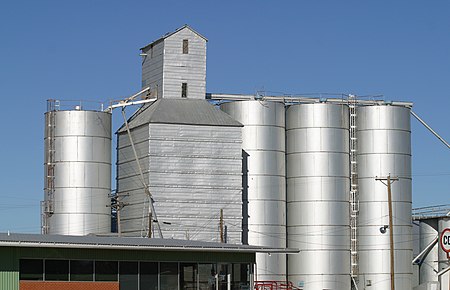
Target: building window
[[148, 275], [81, 270], [106, 271], [185, 46], [129, 276], [188, 275], [56, 270], [168, 276], [31, 270], [184, 89]]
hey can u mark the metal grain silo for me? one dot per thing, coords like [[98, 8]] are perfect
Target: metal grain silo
[[318, 185], [264, 180], [444, 261], [384, 147], [77, 172], [429, 264]]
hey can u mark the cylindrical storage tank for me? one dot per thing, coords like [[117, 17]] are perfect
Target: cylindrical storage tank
[[384, 147], [429, 264], [78, 172], [264, 181], [444, 262], [318, 187]]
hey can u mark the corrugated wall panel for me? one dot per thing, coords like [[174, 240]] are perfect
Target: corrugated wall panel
[[187, 68], [9, 269], [193, 172], [152, 67]]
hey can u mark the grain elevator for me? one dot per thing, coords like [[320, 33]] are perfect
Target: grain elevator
[[307, 173], [190, 152]]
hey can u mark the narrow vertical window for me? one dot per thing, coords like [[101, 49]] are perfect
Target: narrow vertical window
[[185, 46], [184, 90]]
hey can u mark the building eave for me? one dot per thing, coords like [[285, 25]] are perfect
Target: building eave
[[172, 33]]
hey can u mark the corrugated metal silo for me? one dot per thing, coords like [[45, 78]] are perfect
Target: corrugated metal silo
[[264, 180], [429, 265], [384, 147], [78, 172], [318, 185]]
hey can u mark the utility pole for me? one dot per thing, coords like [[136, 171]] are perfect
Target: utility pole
[[221, 225], [150, 221], [388, 181], [117, 205]]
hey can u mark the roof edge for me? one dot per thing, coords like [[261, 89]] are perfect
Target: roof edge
[[172, 33]]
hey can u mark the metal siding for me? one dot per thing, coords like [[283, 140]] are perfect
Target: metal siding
[[9, 269], [189, 68], [10, 256], [263, 140], [317, 137], [429, 264], [152, 67], [82, 172], [444, 261], [384, 147], [126, 255], [193, 172]]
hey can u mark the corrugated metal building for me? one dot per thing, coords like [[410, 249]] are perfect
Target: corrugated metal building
[[175, 59], [50, 262], [189, 151]]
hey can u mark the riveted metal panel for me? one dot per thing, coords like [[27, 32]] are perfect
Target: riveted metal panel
[[384, 147], [264, 181], [82, 171], [318, 184]]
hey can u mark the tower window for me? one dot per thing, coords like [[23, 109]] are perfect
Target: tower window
[[185, 46], [184, 90]]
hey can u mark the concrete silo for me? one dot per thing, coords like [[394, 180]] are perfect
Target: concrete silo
[[77, 171], [318, 185], [384, 148], [264, 181]]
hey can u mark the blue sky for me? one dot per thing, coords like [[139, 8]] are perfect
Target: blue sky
[[90, 50]]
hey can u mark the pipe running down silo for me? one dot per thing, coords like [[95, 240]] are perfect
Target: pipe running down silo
[[318, 186], [384, 148], [264, 181]]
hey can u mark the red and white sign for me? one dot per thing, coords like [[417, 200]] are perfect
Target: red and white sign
[[445, 241]]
